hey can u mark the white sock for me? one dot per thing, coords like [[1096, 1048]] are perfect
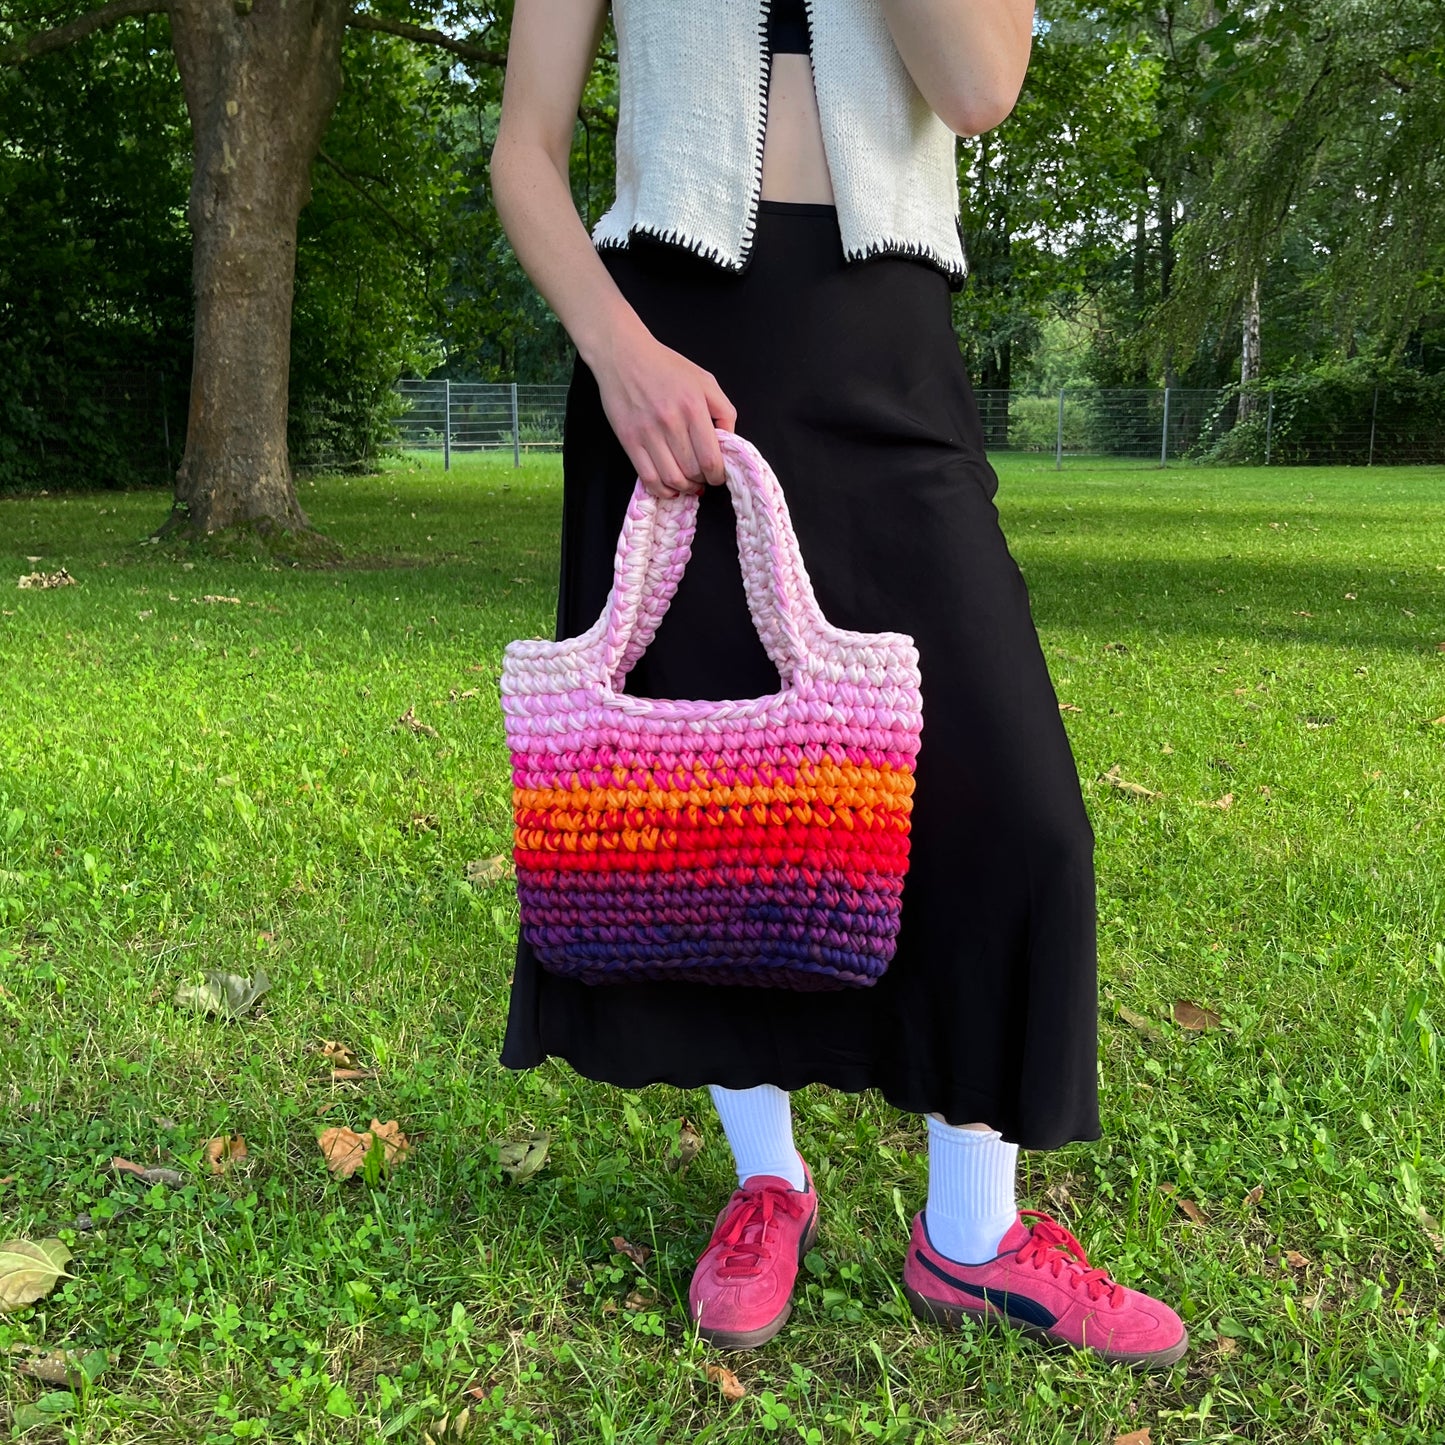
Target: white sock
[[971, 1200], [759, 1126]]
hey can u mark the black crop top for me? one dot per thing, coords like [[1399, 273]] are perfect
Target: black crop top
[[788, 28]]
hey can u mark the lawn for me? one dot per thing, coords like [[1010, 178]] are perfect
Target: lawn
[[201, 767]]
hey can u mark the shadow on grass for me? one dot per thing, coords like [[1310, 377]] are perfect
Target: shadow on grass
[[1259, 601]]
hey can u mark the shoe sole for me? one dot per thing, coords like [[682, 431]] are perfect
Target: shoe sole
[[937, 1312], [751, 1339]]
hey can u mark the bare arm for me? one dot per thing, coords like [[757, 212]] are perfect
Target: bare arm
[[662, 407], [968, 58]]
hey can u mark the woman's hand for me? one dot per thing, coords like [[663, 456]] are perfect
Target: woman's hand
[[665, 412]]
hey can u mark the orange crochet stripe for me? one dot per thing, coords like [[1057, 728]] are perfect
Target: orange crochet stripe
[[840, 785]]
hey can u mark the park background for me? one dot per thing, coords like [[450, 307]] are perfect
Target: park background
[[248, 723]]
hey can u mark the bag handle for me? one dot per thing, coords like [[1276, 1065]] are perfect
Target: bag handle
[[656, 543]]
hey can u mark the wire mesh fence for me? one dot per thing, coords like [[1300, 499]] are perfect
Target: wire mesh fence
[[127, 428], [1348, 426], [112, 428], [458, 416], [1161, 426]]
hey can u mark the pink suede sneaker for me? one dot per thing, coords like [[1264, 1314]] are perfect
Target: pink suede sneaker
[[1042, 1284], [742, 1289]]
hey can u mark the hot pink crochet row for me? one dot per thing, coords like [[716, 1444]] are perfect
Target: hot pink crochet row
[[761, 841]]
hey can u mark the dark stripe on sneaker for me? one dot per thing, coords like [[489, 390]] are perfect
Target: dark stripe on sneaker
[[1015, 1306]]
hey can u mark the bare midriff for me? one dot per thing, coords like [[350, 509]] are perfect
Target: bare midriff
[[795, 167]]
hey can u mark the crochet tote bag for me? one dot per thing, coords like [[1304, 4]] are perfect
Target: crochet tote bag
[[762, 841]]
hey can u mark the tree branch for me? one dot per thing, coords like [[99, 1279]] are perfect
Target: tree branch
[[403, 230], [47, 40], [365, 20]]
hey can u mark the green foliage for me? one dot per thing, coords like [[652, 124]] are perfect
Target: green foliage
[[1329, 413], [371, 266], [495, 326], [1323, 131], [94, 259], [189, 784], [1063, 163]]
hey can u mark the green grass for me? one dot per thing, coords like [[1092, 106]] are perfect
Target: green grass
[[190, 784]]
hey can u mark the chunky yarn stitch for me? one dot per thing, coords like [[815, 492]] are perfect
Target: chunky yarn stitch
[[761, 841]]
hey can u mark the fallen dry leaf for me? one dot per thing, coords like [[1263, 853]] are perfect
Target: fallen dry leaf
[[409, 719], [9, 1179], [689, 1141], [1295, 1259], [57, 1366], [484, 872], [1061, 1192], [1070, 707], [638, 1300], [1224, 804], [728, 1383], [1191, 1211], [1140, 1023], [637, 1253], [227, 995], [1225, 1346], [1190, 1016], [342, 1076], [62, 578], [29, 1270], [1135, 790], [1431, 1226], [154, 1175], [1438, 722], [1134, 1437], [520, 1161], [1187, 1207], [338, 1055], [1254, 1196], [224, 1151], [345, 1150]]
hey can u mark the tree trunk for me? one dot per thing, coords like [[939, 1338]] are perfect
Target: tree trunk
[[260, 85], [1249, 355], [1166, 265], [1141, 254]]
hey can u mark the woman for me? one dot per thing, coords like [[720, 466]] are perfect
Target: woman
[[778, 262]]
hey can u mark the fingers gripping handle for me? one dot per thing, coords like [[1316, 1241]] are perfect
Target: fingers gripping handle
[[656, 543]]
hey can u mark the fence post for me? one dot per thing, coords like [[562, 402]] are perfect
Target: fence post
[[1059, 443], [1374, 407], [1164, 438], [1268, 425], [447, 427], [516, 431]]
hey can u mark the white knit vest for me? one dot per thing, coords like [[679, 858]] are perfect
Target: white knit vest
[[693, 82]]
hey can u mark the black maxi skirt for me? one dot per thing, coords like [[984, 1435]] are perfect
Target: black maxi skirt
[[848, 378]]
